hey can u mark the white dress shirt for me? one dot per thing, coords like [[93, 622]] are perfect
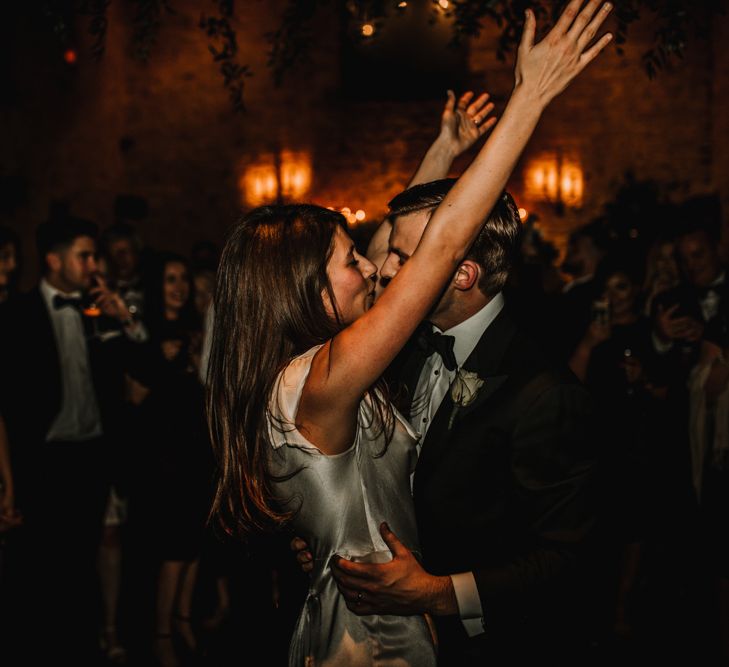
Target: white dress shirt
[[433, 384], [79, 417]]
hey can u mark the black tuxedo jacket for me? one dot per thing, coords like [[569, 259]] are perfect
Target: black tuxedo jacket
[[30, 380], [503, 488]]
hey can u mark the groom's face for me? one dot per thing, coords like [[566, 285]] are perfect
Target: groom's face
[[404, 238]]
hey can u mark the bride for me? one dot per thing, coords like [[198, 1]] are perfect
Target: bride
[[304, 433]]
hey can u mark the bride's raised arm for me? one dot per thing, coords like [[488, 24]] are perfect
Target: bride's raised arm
[[352, 361]]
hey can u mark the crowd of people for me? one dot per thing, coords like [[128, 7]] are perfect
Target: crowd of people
[[645, 332], [106, 438]]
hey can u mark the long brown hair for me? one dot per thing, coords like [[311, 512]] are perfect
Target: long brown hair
[[268, 309]]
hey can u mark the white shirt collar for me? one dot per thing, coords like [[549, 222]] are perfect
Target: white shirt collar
[[48, 292], [469, 332]]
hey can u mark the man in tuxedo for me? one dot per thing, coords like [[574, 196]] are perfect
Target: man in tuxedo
[[60, 391], [502, 484], [683, 313]]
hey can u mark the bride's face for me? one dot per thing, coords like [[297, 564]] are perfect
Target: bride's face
[[352, 278]]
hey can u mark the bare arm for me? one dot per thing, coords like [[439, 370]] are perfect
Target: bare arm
[[347, 365], [8, 516], [461, 126]]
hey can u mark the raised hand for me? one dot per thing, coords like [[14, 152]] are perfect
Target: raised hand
[[548, 67], [109, 301], [463, 124]]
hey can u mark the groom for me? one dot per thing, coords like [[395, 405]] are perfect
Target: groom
[[503, 479]]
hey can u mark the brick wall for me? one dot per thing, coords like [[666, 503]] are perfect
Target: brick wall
[[186, 150]]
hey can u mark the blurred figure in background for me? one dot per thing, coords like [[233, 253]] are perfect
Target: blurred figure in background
[[585, 249], [661, 272], [616, 361], [60, 391], [175, 496], [9, 261], [121, 248]]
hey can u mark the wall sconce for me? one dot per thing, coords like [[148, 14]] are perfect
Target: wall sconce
[[276, 178], [557, 180]]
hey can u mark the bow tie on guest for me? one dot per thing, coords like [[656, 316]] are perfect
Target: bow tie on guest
[[430, 341], [60, 301]]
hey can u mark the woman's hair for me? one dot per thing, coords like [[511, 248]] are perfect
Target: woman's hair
[[154, 301], [268, 309]]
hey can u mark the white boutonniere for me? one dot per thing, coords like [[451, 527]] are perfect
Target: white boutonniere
[[464, 389]]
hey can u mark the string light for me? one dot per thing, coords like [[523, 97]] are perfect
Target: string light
[[352, 218], [70, 56], [523, 214], [368, 30], [402, 4], [444, 4]]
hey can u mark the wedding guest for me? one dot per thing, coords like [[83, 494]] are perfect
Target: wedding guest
[[617, 362], [585, 249], [709, 440], [60, 390], [661, 272], [682, 313], [175, 498], [121, 248]]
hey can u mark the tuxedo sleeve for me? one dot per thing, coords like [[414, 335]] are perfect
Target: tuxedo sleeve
[[552, 465]]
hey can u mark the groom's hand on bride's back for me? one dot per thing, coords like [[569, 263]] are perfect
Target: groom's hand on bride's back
[[303, 555], [400, 586]]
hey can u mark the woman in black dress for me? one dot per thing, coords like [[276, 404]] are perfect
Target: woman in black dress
[[178, 461]]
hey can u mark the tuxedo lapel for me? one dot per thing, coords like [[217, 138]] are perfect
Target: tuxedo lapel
[[484, 361], [46, 345]]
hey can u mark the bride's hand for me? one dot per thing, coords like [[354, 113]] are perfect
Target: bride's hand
[[546, 69]]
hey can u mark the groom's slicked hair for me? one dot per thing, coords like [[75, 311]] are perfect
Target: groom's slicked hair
[[497, 244]]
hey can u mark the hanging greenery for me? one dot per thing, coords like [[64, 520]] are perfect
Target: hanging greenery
[[677, 23], [221, 31]]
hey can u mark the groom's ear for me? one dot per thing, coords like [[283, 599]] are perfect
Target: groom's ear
[[467, 275]]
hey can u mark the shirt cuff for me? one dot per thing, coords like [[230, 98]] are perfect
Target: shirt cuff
[[136, 332], [469, 603]]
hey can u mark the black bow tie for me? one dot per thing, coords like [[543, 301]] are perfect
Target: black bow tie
[[430, 341], [63, 301]]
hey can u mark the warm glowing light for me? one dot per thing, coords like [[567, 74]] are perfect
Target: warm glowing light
[[70, 56], [402, 5], [555, 179], [444, 3], [295, 174], [273, 180], [523, 215], [346, 211], [360, 215], [368, 30]]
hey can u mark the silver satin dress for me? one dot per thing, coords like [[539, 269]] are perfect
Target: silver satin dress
[[340, 502]]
